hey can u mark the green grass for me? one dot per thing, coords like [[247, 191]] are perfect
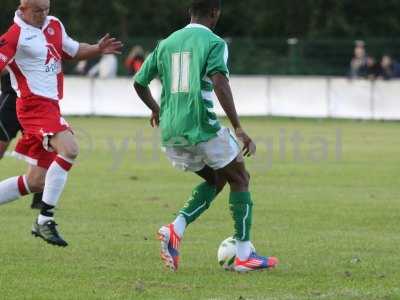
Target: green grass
[[332, 219]]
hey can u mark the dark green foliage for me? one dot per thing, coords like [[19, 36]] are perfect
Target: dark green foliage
[[268, 18], [257, 29]]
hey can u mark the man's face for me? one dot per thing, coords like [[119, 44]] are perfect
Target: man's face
[[359, 52], [35, 11]]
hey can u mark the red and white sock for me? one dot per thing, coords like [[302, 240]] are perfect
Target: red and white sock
[[13, 188], [55, 181]]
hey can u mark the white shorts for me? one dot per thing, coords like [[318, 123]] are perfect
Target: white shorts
[[216, 153]]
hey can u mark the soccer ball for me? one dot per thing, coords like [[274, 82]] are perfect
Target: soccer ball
[[227, 253]]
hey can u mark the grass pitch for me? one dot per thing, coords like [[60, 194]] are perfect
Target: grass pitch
[[326, 199]]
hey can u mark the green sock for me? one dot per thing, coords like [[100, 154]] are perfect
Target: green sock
[[200, 201], [241, 208]]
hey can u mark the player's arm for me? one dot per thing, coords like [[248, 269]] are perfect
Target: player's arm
[[146, 74], [217, 71], [106, 45], [145, 95], [224, 94], [82, 51]]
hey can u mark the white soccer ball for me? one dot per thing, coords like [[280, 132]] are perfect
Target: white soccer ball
[[227, 253]]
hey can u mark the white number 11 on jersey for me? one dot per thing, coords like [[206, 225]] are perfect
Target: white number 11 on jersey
[[180, 72]]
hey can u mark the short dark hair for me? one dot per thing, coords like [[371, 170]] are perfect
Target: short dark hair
[[201, 8]]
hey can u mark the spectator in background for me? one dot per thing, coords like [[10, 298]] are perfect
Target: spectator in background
[[389, 68], [82, 67], [106, 68], [373, 69], [134, 60], [358, 64]]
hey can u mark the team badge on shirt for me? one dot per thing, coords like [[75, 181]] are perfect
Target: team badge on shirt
[[50, 31]]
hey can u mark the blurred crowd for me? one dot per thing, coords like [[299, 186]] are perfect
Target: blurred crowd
[[365, 66], [107, 66], [362, 65]]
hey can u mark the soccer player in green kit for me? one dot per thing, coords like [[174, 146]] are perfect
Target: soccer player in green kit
[[191, 63]]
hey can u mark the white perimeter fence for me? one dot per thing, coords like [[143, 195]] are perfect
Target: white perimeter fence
[[314, 97]]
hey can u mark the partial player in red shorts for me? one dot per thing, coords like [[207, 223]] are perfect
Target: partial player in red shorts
[[9, 124], [32, 50]]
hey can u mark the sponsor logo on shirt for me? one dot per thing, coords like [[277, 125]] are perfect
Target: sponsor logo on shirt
[[30, 37], [52, 53], [53, 59]]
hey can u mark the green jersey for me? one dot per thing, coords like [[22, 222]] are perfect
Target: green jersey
[[184, 62]]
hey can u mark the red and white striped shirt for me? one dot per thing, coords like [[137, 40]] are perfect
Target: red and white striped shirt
[[34, 57]]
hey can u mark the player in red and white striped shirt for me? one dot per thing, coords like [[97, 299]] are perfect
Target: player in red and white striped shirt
[[32, 50]]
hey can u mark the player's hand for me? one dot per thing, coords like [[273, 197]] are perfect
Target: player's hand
[[155, 119], [109, 45], [249, 147]]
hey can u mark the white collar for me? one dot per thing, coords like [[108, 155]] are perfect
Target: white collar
[[195, 25], [20, 22]]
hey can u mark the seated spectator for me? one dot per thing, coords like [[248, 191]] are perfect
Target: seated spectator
[[358, 64], [134, 60], [106, 68], [389, 68]]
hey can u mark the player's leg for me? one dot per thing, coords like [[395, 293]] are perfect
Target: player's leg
[[37, 201], [4, 130], [211, 177], [200, 199], [35, 177], [241, 206], [43, 227], [13, 188], [223, 155], [9, 127], [66, 147], [240, 202]]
